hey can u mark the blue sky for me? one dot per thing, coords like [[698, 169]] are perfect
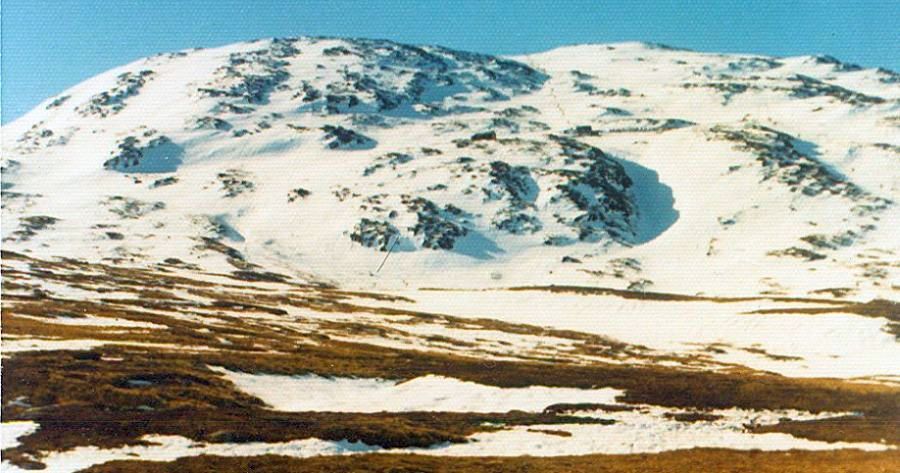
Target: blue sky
[[50, 45]]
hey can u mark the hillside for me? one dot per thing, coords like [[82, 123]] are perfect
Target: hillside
[[591, 165]]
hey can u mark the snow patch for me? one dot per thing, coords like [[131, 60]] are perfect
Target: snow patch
[[171, 447], [426, 393], [11, 431]]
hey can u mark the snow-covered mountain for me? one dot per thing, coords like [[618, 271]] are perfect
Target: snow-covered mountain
[[375, 164], [623, 255]]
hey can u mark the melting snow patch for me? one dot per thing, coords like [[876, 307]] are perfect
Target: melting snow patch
[[11, 431], [13, 345], [16, 345], [93, 321], [622, 439], [172, 447], [646, 430], [425, 393]]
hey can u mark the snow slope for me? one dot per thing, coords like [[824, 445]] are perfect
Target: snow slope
[[377, 165]]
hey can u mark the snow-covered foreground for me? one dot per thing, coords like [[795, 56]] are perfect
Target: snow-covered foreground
[[168, 448], [642, 436], [634, 432], [173, 343], [823, 345], [636, 429]]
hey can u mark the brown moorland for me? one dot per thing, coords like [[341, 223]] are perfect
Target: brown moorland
[[113, 395], [695, 460]]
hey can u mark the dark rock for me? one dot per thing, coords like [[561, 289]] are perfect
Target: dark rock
[[298, 193], [250, 77], [484, 136], [832, 242], [213, 244], [639, 125], [339, 137], [810, 87], [112, 101], [375, 234], [158, 155], [337, 51], [370, 84], [838, 66], [233, 108], [887, 76], [514, 182], [166, 181], [29, 226], [58, 101], [213, 123], [754, 64], [785, 158], [558, 240], [392, 159], [127, 207], [517, 223], [438, 228], [599, 189], [260, 276], [796, 252], [235, 182]]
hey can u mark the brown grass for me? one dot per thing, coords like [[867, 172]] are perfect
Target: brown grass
[[662, 296], [85, 398], [692, 417], [889, 310], [235, 300], [588, 406], [874, 308], [696, 460], [82, 398], [863, 429]]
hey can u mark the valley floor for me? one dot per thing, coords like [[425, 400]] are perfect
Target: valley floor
[[171, 368]]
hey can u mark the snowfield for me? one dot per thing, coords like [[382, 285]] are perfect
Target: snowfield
[[833, 344], [590, 165]]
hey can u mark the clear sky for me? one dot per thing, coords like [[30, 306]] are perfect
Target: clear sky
[[50, 45]]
